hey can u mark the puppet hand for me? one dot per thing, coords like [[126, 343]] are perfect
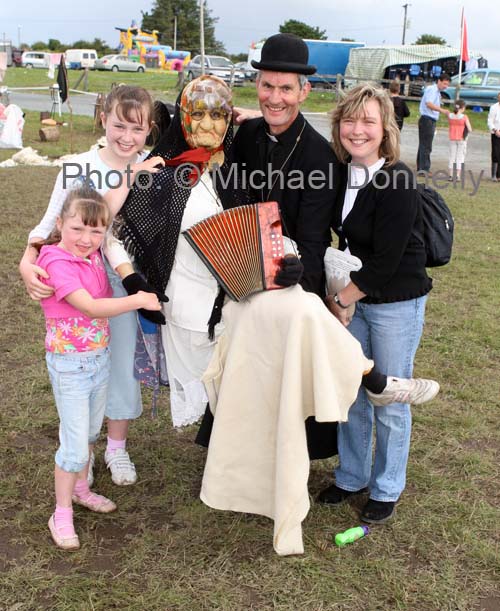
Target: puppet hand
[[291, 271], [133, 283], [156, 317]]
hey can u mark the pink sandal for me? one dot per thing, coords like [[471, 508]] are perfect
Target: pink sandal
[[68, 543], [94, 502]]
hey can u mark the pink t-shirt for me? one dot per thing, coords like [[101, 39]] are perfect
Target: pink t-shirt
[[68, 329]]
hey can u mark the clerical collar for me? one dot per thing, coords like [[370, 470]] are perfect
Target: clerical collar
[[271, 137]]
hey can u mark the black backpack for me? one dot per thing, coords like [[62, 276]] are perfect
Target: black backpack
[[438, 226]]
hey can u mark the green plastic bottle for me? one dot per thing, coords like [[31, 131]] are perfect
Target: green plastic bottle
[[351, 535]]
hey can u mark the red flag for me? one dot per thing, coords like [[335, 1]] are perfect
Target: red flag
[[465, 47]]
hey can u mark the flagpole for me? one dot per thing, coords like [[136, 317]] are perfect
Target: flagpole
[[457, 91]]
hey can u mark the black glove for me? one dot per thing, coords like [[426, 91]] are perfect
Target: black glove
[[290, 273], [135, 283]]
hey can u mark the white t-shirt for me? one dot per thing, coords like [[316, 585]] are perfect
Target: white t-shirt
[[191, 288], [360, 176], [103, 178]]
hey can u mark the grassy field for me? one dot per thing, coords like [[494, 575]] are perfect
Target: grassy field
[[164, 550], [162, 86]]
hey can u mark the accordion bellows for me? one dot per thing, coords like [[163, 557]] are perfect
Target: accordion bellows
[[242, 247]]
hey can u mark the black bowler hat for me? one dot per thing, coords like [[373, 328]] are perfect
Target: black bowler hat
[[285, 53]]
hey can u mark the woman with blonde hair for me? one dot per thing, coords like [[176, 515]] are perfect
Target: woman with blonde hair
[[378, 219]]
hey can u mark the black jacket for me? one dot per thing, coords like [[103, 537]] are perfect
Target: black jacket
[[306, 211], [383, 230]]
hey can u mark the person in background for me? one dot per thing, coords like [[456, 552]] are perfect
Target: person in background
[[459, 128], [430, 108], [494, 127], [401, 109]]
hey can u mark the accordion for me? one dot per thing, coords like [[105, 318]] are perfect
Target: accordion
[[242, 247]]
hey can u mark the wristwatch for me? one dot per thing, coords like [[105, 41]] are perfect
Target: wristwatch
[[339, 303]]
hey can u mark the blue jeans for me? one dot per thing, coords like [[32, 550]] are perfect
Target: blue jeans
[[79, 382], [124, 394], [389, 334]]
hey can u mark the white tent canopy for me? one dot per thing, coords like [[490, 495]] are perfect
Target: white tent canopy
[[370, 63]]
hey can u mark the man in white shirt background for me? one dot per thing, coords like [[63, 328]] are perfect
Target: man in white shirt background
[[430, 107]]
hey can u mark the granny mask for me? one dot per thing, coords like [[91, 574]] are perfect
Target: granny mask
[[206, 110]]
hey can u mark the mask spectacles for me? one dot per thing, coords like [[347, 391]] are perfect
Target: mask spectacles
[[215, 114]]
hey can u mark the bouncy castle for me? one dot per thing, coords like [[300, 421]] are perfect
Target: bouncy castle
[[144, 47]]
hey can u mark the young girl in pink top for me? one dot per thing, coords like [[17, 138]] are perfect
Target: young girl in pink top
[[459, 128], [77, 338]]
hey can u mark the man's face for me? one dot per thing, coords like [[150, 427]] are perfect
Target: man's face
[[442, 85], [280, 97]]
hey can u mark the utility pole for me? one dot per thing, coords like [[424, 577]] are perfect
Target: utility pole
[[202, 37], [176, 11], [405, 6]]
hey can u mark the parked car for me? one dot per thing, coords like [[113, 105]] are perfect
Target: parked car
[[118, 63], [77, 59], [477, 87], [35, 59], [216, 65], [247, 69]]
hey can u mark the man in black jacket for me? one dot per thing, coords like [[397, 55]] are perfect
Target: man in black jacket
[[285, 159]]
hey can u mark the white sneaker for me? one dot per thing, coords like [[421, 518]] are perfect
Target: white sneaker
[[90, 474], [402, 390], [121, 467]]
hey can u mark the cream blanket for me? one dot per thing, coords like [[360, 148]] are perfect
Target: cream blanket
[[283, 357]]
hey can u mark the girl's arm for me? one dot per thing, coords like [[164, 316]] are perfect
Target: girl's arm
[[467, 124], [115, 198], [112, 306]]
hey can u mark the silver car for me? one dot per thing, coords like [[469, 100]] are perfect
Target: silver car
[[217, 66], [118, 63]]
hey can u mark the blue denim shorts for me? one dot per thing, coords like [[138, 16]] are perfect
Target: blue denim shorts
[[80, 383]]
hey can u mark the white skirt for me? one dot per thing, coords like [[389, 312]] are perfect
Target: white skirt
[[187, 354]]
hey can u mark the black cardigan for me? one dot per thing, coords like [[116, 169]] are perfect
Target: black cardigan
[[383, 230], [307, 212]]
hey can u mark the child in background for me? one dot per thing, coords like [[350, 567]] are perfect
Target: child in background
[[401, 109], [78, 356], [459, 128], [127, 119]]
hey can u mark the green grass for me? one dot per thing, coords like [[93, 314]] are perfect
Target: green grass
[[164, 550]]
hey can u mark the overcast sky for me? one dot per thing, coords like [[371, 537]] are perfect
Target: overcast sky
[[240, 23]]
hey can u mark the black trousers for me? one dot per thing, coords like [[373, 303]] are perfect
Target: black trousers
[[321, 436], [426, 130], [495, 151]]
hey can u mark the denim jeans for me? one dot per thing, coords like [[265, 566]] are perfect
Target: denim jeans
[[79, 382], [389, 333], [124, 394], [426, 129]]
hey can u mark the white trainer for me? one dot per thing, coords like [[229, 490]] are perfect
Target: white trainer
[[90, 474], [121, 467], [401, 390]]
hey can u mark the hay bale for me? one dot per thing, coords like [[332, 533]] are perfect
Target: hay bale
[[49, 134]]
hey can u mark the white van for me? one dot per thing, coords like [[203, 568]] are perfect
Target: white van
[[77, 59], [35, 59]]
